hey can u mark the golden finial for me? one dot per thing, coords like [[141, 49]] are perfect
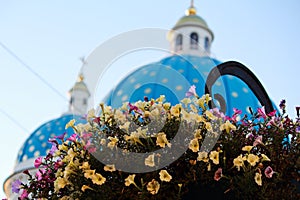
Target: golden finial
[[80, 77], [191, 10]]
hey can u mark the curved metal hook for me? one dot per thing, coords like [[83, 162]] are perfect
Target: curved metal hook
[[239, 70]]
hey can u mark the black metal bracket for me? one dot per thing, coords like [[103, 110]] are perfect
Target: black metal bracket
[[242, 72]]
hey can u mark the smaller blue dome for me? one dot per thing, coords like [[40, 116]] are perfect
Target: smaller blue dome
[[37, 143]]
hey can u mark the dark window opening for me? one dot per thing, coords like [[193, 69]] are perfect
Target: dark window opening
[[178, 42], [194, 40]]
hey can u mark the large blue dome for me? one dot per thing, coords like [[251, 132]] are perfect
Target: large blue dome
[[37, 143], [173, 76]]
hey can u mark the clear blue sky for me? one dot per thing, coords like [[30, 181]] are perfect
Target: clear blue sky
[[51, 36]]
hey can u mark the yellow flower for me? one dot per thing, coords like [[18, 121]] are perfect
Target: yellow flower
[[84, 166], [84, 187], [125, 126], [153, 187], [160, 99], [89, 173], [227, 126], [238, 162], [110, 168], [193, 108], [165, 176], [202, 156], [186, 101], [252, 159], [210, 115], [175, 110], [209, 167], [71, 154], [134, 137], [167, 106], [60, 183], [264, 158], [201, 103], [70, 123], [247, 148], [98, 179], [161, 140], [208, 126], [130, 180], [214, 156], [194, 145], [257, 179], [200, 118], [103, 141], [186, 116], [91, 114], [197, 134], [113, 142], [149, 161], [63, 147]]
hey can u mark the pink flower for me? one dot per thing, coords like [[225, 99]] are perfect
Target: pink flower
[[258, 140], [236, 111], [261, 112], [86, 136], [269, 172], [24, 195], [132, 107], [39, 174], [218, 174], [38, 162], [271, 114], [57, 164], [191, 92], [73, 137]]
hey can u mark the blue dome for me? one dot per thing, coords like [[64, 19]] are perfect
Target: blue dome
[[173, 76], [37, 143]]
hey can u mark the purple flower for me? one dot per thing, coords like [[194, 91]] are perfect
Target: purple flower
[[60, 137], [298, 111], [269, 172], [53, 149], [191, 92], [15, 187], [38, 162], [282, 104]]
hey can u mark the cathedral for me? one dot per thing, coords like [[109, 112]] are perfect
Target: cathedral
[[231, 85]]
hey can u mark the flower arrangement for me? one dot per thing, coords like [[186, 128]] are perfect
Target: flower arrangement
[[152, 150]]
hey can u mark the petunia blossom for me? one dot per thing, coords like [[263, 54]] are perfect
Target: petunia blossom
[[38, 162], [218, 174], [15, 187], [269, 172], [191, 92]]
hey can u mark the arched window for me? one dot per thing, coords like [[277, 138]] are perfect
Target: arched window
[[194, 40], [84, 101], [71, 100], [178, 42], [206, 43]]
